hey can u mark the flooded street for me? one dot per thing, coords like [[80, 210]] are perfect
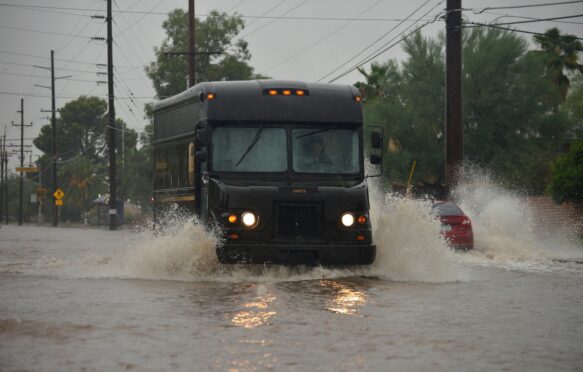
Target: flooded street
[[87, 299]]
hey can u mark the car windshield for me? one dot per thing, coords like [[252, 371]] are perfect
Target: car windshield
[[329, 150], [249, 149]]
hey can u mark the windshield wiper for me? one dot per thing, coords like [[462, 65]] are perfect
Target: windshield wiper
[[317, 131], [253, 142]]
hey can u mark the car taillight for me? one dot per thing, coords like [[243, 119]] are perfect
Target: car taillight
[[466, 221]]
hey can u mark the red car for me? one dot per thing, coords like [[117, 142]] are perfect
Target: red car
[[456, 227]]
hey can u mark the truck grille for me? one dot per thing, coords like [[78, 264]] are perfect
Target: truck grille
[[299, 221]]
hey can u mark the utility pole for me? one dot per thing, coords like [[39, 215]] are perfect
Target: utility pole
[[54, 142], [20, 205], [191, 45], [54, 132], [111, 124], [1, 179], [454, 130], [5, 180]]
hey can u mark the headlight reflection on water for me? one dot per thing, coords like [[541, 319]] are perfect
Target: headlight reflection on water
[[257, 314], [347, 300]]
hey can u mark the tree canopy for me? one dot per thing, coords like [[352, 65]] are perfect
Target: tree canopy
[[514, 118], [220, 56]]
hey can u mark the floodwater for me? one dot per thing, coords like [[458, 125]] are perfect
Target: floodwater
[[87, 299]]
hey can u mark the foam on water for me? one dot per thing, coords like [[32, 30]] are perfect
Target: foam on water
[[407, 235], [409, 248], [409, 244], [504, 226]]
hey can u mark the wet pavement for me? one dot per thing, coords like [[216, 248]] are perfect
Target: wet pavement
[[85, 299]]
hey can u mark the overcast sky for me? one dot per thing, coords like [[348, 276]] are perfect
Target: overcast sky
[[294, 39]]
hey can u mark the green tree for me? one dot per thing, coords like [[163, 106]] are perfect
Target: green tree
[[567, 182], [408, 103], [561, 53], [81, 183], [80, 129], [215, 34], [511, 126]]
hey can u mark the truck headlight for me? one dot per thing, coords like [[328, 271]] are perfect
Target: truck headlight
[[249, 219], [347, 219]]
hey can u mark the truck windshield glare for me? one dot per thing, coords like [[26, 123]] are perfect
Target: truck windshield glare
[[325, 150], [249, 149]]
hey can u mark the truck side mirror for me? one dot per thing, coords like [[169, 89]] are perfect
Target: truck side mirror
[[376, 149], [376, 140], [375, 159]]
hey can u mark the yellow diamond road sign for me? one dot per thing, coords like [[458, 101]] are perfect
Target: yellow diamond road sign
[[58, 194]]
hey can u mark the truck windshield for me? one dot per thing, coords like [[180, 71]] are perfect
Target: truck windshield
[[325, 150], [249, 149]]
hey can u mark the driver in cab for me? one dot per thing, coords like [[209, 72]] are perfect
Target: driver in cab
[[315, 158]]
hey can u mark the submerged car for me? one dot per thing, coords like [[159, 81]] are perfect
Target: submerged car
[[456, 226]]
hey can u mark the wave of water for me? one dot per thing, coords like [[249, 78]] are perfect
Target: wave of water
[[505, 228], [407, 235]]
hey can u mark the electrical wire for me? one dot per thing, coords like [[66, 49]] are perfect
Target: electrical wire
[[274, 19], [477, 24], [481, 10], [317, 42], [380, 49], [375, 41]]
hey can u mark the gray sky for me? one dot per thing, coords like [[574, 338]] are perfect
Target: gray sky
[[291, 47]]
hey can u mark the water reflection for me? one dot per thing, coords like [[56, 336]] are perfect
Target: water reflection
[[341, 296], [347, 299], [257, 312]]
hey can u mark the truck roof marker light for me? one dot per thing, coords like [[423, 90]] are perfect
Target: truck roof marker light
[[287, 92], [272, 92], [300, 92], [210, 96]]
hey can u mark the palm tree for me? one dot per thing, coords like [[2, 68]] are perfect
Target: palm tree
[[562, 56]]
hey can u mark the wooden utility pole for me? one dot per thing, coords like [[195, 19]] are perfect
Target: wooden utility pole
[[54, 136], [1, 179], [111, 124], [21, 159], [191, 45], [454, 130], [21, 194], [5, 180]]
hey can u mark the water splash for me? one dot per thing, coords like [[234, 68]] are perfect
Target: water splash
[[504, 226], [409, 243]]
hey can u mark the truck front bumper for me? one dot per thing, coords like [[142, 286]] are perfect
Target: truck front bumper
[[298, 254]]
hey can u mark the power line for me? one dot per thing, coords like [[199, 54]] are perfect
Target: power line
[[72, 96], [541, 20], [380, 51], [62, 60], [267, 12], [477, 24], [297, 18], [42, 77], [506, 15], [319, 40], [45, 32], [478, 11], [274, 19], [374, 42]]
